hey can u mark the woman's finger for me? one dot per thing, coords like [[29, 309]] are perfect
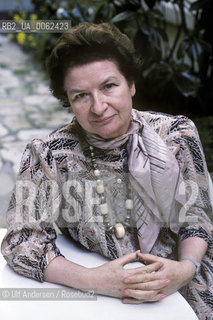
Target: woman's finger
[[158, 297], [130, 257], [132, 301], [140, 294], [148, 257], [144, 277], [152, 285], [146, 269]]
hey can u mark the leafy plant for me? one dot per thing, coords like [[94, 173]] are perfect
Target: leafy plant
[[175, 77], [168, 79]]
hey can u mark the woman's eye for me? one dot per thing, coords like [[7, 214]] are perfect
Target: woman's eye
[[109, 85], [79, 96]]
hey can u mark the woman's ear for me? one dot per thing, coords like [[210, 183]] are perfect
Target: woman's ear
[[132, 89]]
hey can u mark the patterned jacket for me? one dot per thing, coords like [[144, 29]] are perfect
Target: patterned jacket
[[55, 184]]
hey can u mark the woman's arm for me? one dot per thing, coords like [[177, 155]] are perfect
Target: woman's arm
[[65, 272], [107, 279], [29, 244], [193, 247]]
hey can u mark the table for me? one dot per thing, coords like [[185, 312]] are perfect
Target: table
[[173, 307]]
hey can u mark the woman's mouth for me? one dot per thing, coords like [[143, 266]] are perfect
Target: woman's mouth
[[103, 120]]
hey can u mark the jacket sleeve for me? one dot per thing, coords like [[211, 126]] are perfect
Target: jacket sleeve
[[29, 244], [191, 160]]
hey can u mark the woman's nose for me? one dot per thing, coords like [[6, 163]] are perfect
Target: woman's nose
[[98, 104]]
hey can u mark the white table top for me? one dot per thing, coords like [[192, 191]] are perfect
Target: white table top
[[173, 307]]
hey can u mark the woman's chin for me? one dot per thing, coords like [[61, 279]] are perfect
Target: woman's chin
[[110, 132], [104, 134]]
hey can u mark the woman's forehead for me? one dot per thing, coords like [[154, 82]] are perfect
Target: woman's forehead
[[97, 72]]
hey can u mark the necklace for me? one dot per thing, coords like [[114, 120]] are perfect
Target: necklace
[[118, 228]]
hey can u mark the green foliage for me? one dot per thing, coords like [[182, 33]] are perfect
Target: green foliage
[[167, 78]]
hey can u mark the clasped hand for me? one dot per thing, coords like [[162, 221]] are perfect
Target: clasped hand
[[148, 283]]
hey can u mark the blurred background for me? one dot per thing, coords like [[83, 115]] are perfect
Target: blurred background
[[172, 38]]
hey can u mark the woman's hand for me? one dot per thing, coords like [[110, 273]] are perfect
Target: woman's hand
[[177, 274], [109, 279]]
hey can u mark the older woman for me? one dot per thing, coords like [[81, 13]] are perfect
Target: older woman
[[116, 180]]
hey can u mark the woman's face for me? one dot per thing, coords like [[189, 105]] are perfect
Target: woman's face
[[100, 98]]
